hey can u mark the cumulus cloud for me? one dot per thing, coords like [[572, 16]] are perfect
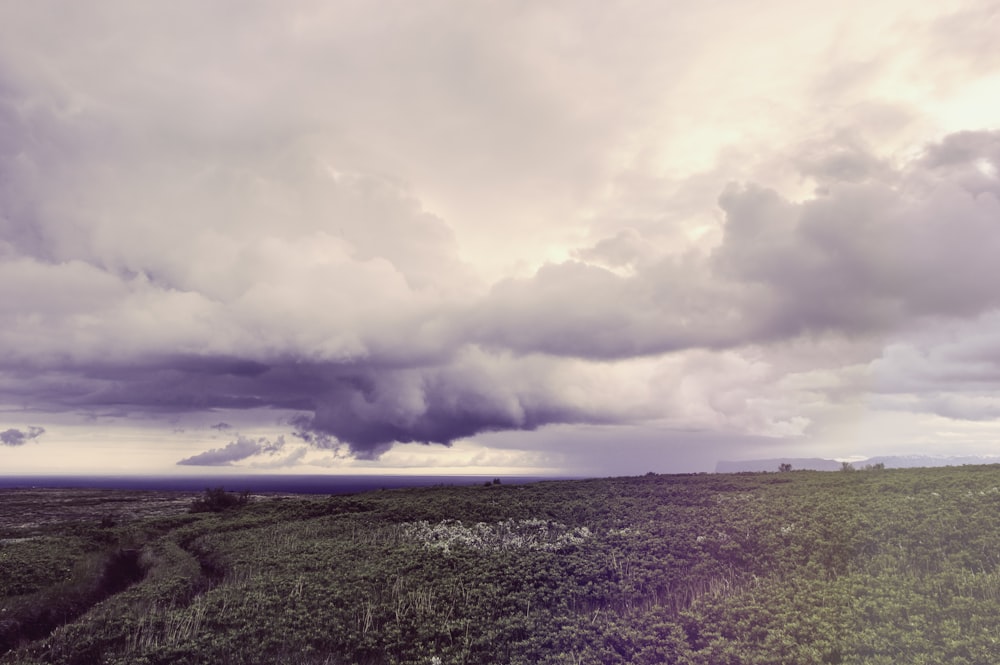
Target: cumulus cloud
[[16, 437], [858, 258]]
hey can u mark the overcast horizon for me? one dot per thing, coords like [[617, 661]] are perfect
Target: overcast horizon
[[556, 238]]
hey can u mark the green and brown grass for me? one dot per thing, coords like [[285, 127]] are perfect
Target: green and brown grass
[[869, 567]]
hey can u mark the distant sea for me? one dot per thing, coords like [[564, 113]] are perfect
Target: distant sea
[[278, 484]]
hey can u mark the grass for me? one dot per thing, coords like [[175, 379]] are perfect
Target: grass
[[868, 567]]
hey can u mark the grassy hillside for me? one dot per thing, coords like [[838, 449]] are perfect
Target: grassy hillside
[[874, 567]]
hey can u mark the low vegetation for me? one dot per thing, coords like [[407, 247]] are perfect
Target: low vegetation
[[217, 500], [793, 567]]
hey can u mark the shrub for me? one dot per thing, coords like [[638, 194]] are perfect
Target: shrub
[[216, 500]]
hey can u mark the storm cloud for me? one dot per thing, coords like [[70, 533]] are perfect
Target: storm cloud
[[857, 259], [615, 223]]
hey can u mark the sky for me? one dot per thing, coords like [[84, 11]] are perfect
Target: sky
[[580, 238]]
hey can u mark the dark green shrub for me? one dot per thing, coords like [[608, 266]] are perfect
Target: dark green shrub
[[217, 499]]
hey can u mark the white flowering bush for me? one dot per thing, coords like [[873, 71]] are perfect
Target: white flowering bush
[[533, 534]]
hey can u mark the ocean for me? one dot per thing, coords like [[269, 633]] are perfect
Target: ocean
[[277, 484]]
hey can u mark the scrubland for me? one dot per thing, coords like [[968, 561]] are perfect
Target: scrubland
[[869, 567]]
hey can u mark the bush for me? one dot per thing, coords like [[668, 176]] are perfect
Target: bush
[[217, 499]]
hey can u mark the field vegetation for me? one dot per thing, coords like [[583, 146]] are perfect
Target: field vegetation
[[870, 567]]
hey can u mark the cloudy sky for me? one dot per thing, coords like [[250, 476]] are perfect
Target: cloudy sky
[[496, 237]]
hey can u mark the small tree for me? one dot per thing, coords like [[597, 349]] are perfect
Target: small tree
[[846, 466], [784, 467]]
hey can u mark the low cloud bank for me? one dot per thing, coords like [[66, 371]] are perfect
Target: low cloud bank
[[234, 451]]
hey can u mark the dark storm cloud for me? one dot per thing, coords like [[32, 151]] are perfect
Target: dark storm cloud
[[17, 437], [239, 449], [439, 405], [367, 408], [303, 429], [869, 254], [267, 211], [173, 254]]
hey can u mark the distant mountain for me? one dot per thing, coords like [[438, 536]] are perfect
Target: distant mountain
[[910, 461], [819, 464]]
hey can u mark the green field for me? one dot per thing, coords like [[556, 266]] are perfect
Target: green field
[[875, 567]]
